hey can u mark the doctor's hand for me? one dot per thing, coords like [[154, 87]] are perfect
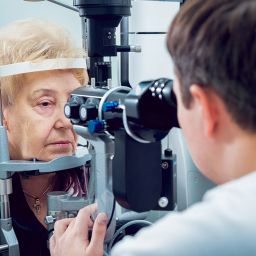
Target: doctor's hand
[[71, 235]]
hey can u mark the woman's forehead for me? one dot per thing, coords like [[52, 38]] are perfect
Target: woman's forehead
[[57, 80], [46, 75]]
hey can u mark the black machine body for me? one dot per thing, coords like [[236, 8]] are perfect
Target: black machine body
[[138, 119], [102, 19]]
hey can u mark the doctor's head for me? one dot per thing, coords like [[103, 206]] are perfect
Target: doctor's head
[[33, 102], [213, 47]]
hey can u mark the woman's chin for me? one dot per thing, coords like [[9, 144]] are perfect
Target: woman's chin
[[53, 156]]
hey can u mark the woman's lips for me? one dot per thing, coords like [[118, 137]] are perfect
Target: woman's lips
[[60, 144]]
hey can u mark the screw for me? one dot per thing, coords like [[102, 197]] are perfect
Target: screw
[[165, 165], [163, 202]]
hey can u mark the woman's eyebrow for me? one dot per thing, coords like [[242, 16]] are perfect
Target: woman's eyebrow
[[43, 92]]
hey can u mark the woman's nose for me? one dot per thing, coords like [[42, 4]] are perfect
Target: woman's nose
[[61, 120]]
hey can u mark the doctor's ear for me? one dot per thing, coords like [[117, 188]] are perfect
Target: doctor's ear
[[208, 108]]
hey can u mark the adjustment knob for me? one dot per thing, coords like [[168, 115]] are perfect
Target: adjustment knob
[[96, 126], [67, 110], [71, 110], [87, 113], [110, 106]]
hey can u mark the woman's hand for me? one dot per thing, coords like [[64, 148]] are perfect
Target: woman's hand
[[71, 235]]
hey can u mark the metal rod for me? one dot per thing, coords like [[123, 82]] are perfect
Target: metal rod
[[5, 207], [124, 55], [4, 247], [63, 5]]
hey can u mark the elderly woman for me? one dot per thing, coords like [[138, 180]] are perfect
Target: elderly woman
[[33, 103]]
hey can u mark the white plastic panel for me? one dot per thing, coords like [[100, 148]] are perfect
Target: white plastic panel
[[153, 62], [152, 16], [18, 9], [148, 25]]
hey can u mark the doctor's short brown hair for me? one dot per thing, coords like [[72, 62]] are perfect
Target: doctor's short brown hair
[[213, 44]]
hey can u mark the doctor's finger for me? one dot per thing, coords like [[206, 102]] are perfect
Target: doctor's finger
[[60, 226], [83, 220], [96, 246], [52, 244]]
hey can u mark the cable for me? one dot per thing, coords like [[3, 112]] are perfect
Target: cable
[[127, 128], [105, 96], [120, 230], [112, 213], [125, 122]]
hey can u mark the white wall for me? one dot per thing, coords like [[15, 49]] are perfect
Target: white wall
[[149, 23], [11, 10]]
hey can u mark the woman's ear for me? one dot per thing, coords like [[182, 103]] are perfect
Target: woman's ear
[[208, 104]]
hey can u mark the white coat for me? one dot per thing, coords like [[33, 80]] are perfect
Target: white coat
[[224, 223]]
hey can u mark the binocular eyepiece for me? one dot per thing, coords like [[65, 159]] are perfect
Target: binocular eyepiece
[[148, 111]]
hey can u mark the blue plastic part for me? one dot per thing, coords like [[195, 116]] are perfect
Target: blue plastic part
[[110, 106], [95, 126]]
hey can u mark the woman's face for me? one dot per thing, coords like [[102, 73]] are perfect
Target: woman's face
[[36, 124]]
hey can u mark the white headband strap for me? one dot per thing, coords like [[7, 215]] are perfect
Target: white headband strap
[[42, 65]]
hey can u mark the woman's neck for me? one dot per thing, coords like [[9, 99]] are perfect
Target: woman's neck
[[37, 184], [35, 189]]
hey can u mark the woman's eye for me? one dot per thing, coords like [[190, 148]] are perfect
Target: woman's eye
[[44, 104]]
